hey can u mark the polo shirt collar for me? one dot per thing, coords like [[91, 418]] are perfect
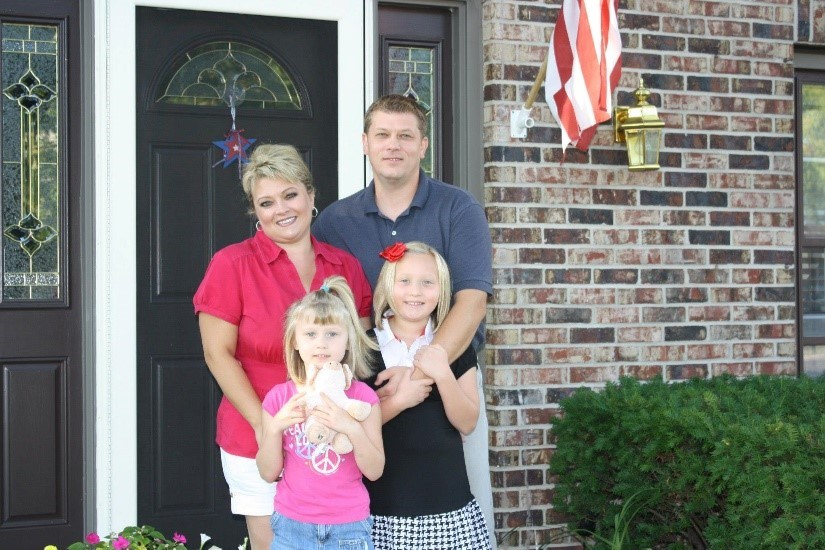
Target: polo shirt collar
[[267, 249], [422, 193], [394, 351], [325, 251]]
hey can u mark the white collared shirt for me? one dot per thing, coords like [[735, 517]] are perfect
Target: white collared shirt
[[395, 351]]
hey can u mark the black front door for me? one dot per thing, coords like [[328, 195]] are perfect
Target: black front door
[[189, 66], [42, 398]]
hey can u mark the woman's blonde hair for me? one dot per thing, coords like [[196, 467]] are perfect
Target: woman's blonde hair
[[332, 304], [382, 300], [276, 161]]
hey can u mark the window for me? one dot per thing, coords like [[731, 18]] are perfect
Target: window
[[411, 73], [30, 186], [810, 171], [218, 73]]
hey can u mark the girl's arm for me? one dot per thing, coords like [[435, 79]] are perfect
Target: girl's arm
[[219, 340], [460, 396], [368, 446], [270, 456], [407, 394]]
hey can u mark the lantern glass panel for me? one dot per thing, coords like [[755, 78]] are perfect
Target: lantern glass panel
[[635, 147], [652, 139]]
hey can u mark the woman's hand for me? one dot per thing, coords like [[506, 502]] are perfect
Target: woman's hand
[[412, 390], [392, 377]]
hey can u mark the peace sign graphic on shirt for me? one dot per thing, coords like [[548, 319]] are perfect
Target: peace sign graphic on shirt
[[325, 460]]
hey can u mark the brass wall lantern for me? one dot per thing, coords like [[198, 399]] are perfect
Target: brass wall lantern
[[640, 128]]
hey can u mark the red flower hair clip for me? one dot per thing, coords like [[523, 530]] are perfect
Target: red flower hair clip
[[394, 252]]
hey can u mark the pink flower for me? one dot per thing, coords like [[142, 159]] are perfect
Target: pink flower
[[177, 537], [121, 543], [92, 538], [394, 252]]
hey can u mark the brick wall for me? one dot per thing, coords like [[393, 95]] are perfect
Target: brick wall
[[599, 272]]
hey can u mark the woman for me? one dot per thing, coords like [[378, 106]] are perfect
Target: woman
[[241, 303]]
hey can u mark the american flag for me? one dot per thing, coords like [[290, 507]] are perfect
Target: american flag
[[583, 69]]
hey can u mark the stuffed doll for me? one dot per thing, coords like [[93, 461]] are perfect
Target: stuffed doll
[[331, 379]]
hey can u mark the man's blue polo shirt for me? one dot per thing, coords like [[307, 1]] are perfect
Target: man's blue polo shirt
[[446, 217]]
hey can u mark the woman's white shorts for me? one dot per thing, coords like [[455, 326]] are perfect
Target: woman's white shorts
[[251, 495]]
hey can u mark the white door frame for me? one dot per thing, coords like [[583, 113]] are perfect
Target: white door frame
[[115, 415]]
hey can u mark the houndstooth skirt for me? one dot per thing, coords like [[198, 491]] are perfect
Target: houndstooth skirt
[[462, 529]]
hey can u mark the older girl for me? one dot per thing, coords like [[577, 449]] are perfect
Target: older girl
[[423, 500]]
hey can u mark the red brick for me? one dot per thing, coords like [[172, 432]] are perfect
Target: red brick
[[542, 376], [743, 351], [615, 236], [642, 372], [686, 372], [735, 369], [753, 313], [774, 331], [530, 416], [590, 256], [617, 315], [709, 313], [639, 334], [568, 355], [584, 375], [706, 351], [639, 256], [752, 276], [777, 368], [543, 296], [663, 353], [592, 296]]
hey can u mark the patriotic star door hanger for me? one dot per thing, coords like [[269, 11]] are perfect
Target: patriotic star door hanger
[[234, 144]]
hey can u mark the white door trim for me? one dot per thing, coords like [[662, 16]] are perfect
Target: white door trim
[[114, 211]]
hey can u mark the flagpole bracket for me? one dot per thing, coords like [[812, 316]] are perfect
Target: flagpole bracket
[[520, 121]]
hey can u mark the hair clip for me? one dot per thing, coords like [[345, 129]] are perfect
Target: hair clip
[[394, 252], [325, 288]]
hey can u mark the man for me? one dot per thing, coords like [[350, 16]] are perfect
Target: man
[[403, 204]]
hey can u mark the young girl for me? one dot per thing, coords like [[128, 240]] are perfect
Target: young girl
[[321, 502], [423, 500]]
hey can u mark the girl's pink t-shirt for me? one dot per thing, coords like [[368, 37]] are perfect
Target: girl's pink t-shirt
[[318, 485], [251, 284]]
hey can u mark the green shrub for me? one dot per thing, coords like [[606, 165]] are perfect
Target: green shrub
[[722, 463]]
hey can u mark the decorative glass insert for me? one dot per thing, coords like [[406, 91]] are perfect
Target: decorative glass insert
[[813, 159], [412, 73], [812, 245], [227, 73], [30, 184]]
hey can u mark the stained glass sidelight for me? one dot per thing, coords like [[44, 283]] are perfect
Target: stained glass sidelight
[[217, 72], [30, 188], [411, 73]]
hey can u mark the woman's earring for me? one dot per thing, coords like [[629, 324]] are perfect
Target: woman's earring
[[314, 211], [258, 225]]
